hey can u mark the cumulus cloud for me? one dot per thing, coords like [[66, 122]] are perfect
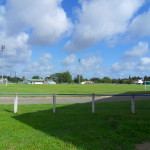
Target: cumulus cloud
[[145, 61], [45, 21], [101, 20], [89, 65], [140, 26], [27, 23], [137, 50], [140, 64], [144, 64], [42, 67], [2, 17], [16, 51], [69, 60], [90, 62], [123, 66]]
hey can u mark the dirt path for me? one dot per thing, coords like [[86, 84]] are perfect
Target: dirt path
[[67, 100]]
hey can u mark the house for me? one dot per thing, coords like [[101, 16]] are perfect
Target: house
[[87, 82]]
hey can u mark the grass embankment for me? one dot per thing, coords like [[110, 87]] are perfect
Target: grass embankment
[[73, 127], [74, 89]]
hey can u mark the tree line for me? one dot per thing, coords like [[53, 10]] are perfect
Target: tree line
[[66, 77]]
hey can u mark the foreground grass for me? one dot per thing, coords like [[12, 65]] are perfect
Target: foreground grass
[[73, 127], [74, 89]]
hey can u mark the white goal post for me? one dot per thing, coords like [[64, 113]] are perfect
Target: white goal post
[[147, 85], [4, 81]]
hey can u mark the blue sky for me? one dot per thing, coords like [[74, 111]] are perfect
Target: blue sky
[[111, 38]]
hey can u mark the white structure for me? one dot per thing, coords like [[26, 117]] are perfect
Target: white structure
[[3, 81], [87, 82], [139, 81], [38, 81], [50, 82]]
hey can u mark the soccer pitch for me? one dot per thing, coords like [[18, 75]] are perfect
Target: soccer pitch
[[74, 89]]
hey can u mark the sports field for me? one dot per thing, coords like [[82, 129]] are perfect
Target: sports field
[[73, 127], [74, 89]]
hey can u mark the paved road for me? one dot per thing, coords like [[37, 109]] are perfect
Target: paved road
[[67, 100]]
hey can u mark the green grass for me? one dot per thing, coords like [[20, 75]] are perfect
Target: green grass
[[73, 127], [74, 89]]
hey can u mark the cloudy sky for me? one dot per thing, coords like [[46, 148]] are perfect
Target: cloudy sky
[[110, 38]]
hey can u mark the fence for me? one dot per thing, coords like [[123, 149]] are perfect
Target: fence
[[132, 98]]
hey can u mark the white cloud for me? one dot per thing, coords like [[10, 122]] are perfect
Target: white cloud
[[100, 20], [88, 66], [141, 25], [133, 64], [123, 66], [69, 60], [2, 18], [144, 64], [138, 50], [89, 63], [45, 21], [42, 67], [145, 61], [16, 50]]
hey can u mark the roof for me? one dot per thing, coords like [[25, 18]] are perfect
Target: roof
[[36, 80]]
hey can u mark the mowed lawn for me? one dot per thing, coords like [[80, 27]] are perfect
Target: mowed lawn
[[73, 127], [74, 89]]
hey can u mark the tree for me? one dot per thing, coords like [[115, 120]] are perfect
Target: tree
[[36, 77], [67, 77], [76, 79], [106, 80], [95, 80], [61, 77]]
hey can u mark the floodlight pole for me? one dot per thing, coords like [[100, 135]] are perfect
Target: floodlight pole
[[2, 50], [79, 71]]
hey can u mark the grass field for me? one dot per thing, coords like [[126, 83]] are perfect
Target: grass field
[[73, 127], [74, 89]]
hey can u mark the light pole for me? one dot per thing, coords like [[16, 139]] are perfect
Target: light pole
[[79, 70], [2, 50]]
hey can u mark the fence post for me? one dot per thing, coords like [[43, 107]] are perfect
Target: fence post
[[54, 104], [93, 103], [16, 103], [132, 104]]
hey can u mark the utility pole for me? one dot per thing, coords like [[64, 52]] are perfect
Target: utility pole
[[2, 51]]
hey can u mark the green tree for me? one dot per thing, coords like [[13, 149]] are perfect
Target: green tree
[[62, 77], [67, 77], [76, 79], [36, 77], [106, 80]]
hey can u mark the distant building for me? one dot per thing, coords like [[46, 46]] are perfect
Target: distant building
[[87, 82], [38, 81], [139, 81]]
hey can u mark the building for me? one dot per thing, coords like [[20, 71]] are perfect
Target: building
[[34, 81], [38, 81], [139, 81], [87, 82]]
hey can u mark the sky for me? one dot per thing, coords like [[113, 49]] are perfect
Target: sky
[[95, 38]]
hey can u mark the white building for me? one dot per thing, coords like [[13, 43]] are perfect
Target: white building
[[38, 81], [139, 81]]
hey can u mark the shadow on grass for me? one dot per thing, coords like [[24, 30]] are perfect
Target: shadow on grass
[[112, 127], [7, 110]]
